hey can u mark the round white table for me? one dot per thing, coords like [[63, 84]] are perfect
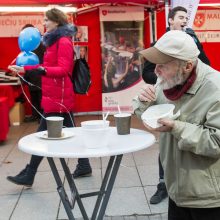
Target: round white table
[[73, 147]]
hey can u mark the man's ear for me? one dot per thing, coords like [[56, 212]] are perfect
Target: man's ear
[[170, 21], [188, 67]]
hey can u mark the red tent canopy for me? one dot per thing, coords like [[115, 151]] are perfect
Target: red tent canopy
[[37, 2], [40, 2]]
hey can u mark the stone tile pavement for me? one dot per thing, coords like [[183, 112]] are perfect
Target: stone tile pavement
[[135, 183]]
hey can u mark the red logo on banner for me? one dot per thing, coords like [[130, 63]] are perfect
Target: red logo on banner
[[104, 12], [199, 20]]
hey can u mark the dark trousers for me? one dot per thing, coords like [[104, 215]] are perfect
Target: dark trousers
[[68, 122], [161, 171], [36, 102], [180, 213]]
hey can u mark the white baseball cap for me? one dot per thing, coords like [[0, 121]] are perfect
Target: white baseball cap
[[172, 45]]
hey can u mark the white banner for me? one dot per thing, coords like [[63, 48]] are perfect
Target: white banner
[[208, 36], [116, 13], [11, 26], [207, 25], [207, 20], [190, 5]]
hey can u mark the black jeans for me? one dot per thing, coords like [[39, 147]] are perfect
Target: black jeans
[[161, 171], [182, 213], [36, 102], [68, 122]]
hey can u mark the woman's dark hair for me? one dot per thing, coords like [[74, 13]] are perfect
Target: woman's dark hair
[[57, 16]]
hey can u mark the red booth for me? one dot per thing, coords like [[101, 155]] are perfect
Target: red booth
[[89, 18], [88, 15], [4, 119]]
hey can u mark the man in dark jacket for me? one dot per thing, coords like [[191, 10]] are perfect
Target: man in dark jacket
[[177, 20]]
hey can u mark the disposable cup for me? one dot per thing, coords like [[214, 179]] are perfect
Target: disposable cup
[[123, 123], [54, 126]]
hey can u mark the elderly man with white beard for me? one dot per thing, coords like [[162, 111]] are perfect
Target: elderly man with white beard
[[189, 145]]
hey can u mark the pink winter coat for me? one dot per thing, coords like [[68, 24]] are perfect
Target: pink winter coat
[[57, 88]]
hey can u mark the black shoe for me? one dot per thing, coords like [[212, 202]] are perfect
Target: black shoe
[[82, 171], [25, 177], [160, 194]]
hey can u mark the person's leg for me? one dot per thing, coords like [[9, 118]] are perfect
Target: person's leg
[[178, 213], [161, 192], [161, 171], [34, 115], [83, 167], [205, 213], [68, 120], [27, 175], [182, 213], [37, 103], [34, 101]]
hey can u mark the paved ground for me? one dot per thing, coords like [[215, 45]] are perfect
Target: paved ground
[[135, 183]]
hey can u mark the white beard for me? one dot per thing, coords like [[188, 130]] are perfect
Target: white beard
[[179, 79]]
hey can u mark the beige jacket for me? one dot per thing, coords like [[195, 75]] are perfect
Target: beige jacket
[[190, 154]]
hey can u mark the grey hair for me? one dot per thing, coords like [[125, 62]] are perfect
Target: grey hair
[[183, 62]]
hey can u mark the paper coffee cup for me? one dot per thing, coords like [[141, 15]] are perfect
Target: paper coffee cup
[[54, 126], [123, 123]]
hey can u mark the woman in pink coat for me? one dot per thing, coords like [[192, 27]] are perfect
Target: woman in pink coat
[[57, 89]]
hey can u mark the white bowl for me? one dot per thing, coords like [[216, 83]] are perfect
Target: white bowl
[[95, 138], [95, 124], [155, 112]]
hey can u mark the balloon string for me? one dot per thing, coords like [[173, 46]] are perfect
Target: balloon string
[[13, 61], [29, 83]]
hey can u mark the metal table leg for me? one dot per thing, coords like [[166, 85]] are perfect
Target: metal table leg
[[60, 189], [74, 191], [103, 194], [106, 187]]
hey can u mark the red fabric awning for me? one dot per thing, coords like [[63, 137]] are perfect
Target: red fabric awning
[[45, 2]]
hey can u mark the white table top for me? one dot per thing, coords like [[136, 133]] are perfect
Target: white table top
[[73, 147]]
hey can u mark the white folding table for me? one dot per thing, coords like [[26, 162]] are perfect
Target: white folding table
[[73, 147]]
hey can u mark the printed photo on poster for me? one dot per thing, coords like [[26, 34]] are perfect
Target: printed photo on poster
[[81, 51], [82, 34], [122, 33], [121, 65]]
